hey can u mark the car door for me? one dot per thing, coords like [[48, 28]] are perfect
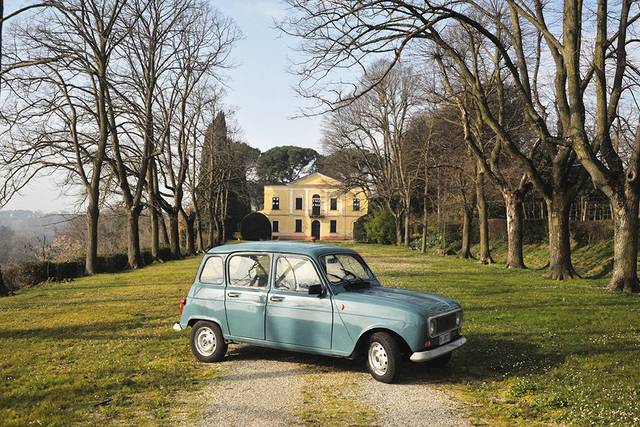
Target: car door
[[293, 316], [246, 294], [208, 296]]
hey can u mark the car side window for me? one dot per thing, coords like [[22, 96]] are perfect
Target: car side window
[[213, 271], [250, 270], [295, 274]]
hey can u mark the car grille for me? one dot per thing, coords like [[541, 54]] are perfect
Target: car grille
[[445, 323]]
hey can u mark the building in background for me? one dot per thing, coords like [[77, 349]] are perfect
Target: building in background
[[316, 207]]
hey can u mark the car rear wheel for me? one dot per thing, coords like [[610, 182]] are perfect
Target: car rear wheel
[[207, 342], [383, 357]]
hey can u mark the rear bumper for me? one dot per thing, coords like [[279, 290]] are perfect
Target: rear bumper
[[424, 356], [177, 327]]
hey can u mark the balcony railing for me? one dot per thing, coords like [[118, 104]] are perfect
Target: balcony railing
[[317, 213]]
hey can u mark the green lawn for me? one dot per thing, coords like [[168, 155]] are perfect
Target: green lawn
[[100, 349]]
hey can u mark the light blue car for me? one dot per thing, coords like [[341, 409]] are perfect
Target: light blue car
[[318, 299]]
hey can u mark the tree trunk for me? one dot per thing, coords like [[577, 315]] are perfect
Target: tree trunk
[[153, 214], [467, 215], [190, 221], [398, 230], [155, 234], [407, 234], [198, 223], [560, 266], [174, 230], [4, 291], [91, 257], [513, 204], [483, 219], [163, 228], [624, 276], [425, 219], [407, 220], [133, 244]]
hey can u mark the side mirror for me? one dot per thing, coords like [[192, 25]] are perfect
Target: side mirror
[[315, 289]]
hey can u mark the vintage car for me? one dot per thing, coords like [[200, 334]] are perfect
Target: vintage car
[[314, 298]]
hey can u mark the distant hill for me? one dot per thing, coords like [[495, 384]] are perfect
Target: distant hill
[[33, 223]]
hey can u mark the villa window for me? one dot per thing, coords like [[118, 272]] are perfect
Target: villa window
[[298, 203], [275, 226], [356, 204], [298, 226], [333, 226], [275, 203], [334, 204], [315, 205]]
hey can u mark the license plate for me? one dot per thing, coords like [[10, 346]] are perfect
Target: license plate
[[445, 338]]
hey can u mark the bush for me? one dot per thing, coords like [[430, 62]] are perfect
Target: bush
[[589, 232], [29, 273], [4, 291], [381, 227], [535, 231], [359, 232]]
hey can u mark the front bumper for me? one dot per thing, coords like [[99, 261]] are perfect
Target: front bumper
[[177, 327], [424, 356]]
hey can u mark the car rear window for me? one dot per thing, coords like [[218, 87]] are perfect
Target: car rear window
[[213, 271], [250, 270]]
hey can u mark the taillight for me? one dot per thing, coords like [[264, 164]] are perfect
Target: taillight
[[183, 302]]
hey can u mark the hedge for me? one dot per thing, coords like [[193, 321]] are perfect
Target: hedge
[[29, 273]]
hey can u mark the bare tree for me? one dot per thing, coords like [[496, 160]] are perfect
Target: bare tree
[[146, 55], [374, 126], [201, 51], [73, 92], [344, 34], [16, 63]]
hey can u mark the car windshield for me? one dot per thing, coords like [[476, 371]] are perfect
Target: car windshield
[[346, 268]]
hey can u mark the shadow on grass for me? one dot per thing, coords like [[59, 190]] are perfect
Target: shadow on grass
[[483, 358], [604, 272], [102, 330]]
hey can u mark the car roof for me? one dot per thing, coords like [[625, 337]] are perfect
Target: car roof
[[299, 248]]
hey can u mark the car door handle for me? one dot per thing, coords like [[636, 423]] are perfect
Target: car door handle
[[276, 299], [233, 294]]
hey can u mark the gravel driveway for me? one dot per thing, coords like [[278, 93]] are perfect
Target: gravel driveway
[[263, 387]]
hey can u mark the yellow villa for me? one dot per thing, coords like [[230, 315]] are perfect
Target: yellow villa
[[313, 207]]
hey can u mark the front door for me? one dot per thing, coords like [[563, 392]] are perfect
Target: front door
[[315, 230], [293, 316], [246, 294]]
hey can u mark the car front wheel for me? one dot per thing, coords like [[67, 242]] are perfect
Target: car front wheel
[[383, 357], [207, 342]]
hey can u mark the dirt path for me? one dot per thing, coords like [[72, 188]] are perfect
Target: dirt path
[[262, 387]]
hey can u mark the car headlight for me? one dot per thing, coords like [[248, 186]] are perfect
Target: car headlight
[[458, 318], [432, 327]]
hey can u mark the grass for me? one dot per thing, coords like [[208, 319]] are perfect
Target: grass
[[96, 350], [539, 351], [100, 349]]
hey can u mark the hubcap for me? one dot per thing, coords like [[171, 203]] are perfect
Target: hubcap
[[206, 341], [378, 358]]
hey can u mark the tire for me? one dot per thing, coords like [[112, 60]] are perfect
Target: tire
[[207, 342], [440, 362], [383, 357]]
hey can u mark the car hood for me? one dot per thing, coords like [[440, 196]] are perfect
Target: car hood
[[426, 303]]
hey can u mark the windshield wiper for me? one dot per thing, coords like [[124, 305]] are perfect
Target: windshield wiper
[[356, 283]]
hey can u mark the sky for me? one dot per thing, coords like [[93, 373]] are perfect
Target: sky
[[259, 89]]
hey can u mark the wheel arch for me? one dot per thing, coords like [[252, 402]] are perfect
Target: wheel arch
[[361, 343], [192, 321]]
